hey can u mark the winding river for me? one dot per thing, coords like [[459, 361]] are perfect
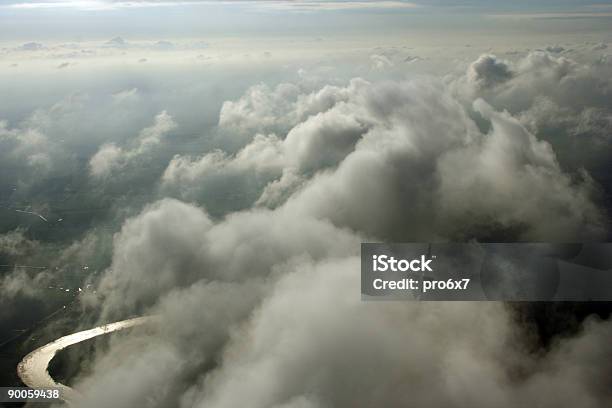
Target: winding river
[[34, 368]]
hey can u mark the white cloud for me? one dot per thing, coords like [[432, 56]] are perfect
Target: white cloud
[[105, 160], [26, 145], [380, 61], [110, 157], [321, 141], [128, 95], [261, 308], [401, 160], [277, 110]]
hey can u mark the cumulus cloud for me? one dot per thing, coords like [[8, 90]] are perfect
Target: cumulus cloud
[[401, 161], [488, 71], [390, 161], [259, 301], [564, 80], [321, 141], [188, 246], [563, 101], [277, 110], [38, 150], [380, 61], [106, 158], [25, 146], [278, 191], [312, 340], [416, 143], [110, 157], [221, 181]]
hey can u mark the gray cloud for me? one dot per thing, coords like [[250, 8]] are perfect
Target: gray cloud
[[312, 341], [438, 185], [562, 101], [321, 141], [117, 42], [488, 71], [31, 46], [259, 301], [555, 49], [260, 307], [600, 46], [188, 246]]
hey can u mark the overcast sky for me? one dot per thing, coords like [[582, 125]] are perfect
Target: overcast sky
[[83, 19]]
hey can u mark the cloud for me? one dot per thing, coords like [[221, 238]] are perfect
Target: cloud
[[25, 146], [558, 99], [599, 47], [540, 74], [117, 42], [277, 110], [31, 46], [321, 141], [278, 191], [380, 61], [376, 142], [410, 59], [255, 273], [400, 160], [128, 95], [164, 45], [179, 244], [110, 157], [105, 160], [312, 340], [19, 283], [216, 176], [488, 71], [15, 244], [555, 49]]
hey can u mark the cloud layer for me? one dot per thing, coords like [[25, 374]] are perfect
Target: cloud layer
[[260, 305], [245, 241]]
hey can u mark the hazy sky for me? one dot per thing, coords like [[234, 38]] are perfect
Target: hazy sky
[[86, 19]]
